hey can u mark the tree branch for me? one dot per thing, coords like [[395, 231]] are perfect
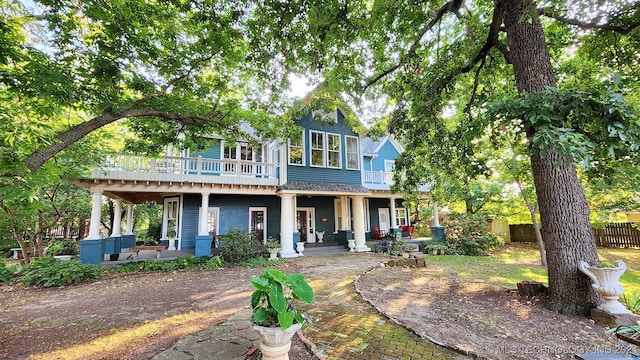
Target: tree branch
[[449, 6], [588, 25]]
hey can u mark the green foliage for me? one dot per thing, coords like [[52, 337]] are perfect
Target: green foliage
[[432, 245], [632, 300], [272, 301], [467, 234], [237, 246], [47, 272], [7, 272], [180, 263], [260, 261], [63, 247], [272, 243]]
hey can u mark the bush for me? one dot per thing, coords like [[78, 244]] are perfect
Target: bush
[[146, 238], [6, 273], [63, 247], [47, 271], [180, 263], [467, 234], [237, 246]]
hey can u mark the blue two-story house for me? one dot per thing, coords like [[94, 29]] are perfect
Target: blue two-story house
[[331, 184]]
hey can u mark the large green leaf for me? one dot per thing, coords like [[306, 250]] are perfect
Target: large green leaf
[[301, 290], [260, 283], [277, 275], [277, 299], [260, 315], [285, 319]]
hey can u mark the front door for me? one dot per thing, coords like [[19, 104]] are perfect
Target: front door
[[383, 217], [306, 222], [258, 223]]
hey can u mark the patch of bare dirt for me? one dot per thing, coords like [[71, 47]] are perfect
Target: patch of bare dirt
[[132, 316], [488, 321]]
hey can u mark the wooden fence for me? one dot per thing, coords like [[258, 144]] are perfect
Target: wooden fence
[[613, 235]]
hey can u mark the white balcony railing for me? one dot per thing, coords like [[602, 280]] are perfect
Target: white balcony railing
[[378, 177], [124, 166]]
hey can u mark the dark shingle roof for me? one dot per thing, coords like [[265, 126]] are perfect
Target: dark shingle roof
[[324, 187]]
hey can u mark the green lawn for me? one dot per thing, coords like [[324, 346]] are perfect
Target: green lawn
[[517, 262]]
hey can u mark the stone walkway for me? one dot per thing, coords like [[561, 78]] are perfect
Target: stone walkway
[[344, 326]]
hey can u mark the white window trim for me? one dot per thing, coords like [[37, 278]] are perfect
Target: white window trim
[[346, 154], [339, 151], [405, 217], [302, 142], [311, 148], [387, 162]]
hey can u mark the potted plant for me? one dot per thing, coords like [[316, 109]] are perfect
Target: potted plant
[[171, 234], [435, 248], [605, 281], [274, 316], [273, 247]]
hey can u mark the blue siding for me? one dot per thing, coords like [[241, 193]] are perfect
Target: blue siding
[[213, 152], [387, 152], [323, 209], [307, 173], [367, 163], [234, 214]]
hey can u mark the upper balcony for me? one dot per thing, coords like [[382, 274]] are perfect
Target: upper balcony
[[186, 169], [379, 180]]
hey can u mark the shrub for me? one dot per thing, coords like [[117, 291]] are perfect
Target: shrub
[[215, 262], [47, 271], [180, 263], [6, 273], [63, 247], [146, 238], [237, 246], [467, 234]]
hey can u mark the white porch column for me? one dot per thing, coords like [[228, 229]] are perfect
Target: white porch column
[[129, 227], [344, 208], [436, 220], [392, 210], [117, 218], [94, 225], [287, 226], [358, 224], [204, 212]]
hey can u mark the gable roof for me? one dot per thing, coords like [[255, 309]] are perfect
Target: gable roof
[[371, 147]]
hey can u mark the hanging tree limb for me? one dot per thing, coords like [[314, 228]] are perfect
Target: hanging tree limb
[[590, 25]]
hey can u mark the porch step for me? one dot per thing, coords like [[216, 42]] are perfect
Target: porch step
[[322, 249]]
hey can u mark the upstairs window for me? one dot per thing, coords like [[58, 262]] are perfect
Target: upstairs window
[[352, 153], [333, 151], [317, 148], [296, 151]]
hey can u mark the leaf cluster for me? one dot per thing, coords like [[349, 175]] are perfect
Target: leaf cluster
[[272, 301], [47, 272]]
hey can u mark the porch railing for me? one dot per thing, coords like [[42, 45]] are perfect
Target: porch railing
[[186, 166], [378, 177]]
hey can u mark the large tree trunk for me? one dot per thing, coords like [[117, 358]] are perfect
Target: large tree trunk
[[564, 212]]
